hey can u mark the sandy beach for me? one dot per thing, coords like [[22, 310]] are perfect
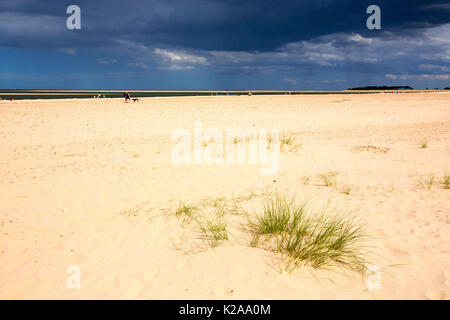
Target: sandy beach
[[92, 183]]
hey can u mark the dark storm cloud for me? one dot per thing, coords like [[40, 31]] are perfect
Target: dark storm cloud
[[206, 25]]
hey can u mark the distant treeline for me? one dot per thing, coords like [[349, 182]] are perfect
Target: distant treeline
[[382, 88], [448, 88]]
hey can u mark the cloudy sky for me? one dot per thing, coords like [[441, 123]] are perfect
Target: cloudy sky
[[223, 44]]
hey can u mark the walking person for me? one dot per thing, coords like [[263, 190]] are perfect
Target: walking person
[[127, 96]]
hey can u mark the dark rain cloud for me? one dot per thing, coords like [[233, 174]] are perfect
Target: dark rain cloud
[[230, 25]]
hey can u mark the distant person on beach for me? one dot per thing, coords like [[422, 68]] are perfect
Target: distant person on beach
[[127, 96]]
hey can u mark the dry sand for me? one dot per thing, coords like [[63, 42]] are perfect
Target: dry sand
[[91, 183]]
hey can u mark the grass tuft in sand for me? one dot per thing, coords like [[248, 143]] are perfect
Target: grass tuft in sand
[[329, 179], [302, 238], [424, 143], [287, 142], [446, 181], [214, 231], [347, 190], [427, 181], [185, 211], [209, 218], [290, 143]]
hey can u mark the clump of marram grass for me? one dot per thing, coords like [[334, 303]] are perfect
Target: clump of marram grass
[[222, 206], [290, 143], [446, 181], [427, 181], [276, 217], [286, 142], [424, 143], [213, 231], [347, 190], [329, 179], [218, 207], [290, 229], [185, 210], [208, 218]]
